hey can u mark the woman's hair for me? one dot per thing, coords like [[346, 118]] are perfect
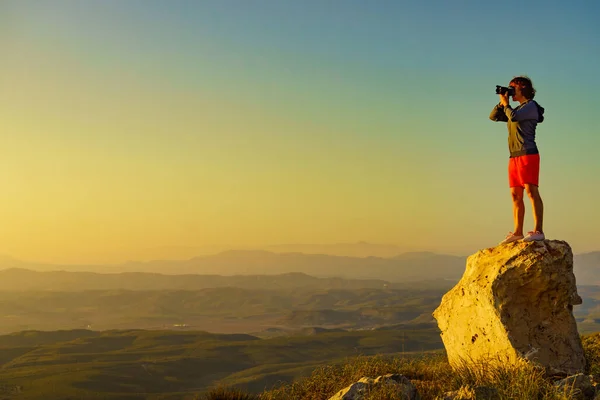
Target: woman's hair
[[526, 86]]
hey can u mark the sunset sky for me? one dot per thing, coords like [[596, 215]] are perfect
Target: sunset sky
[[138, 124]]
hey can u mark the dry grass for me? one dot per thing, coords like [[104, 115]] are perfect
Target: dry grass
[[433, 377], [227, 394]]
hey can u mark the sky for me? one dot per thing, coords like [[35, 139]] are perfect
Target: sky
[[140, 124]]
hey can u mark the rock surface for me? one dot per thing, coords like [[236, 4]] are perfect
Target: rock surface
[[515, 301], [359, 389]]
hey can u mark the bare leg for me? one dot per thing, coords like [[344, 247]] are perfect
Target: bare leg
[[518, 209], [538, 206]]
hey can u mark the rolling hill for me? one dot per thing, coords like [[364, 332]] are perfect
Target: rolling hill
[[138, 364]]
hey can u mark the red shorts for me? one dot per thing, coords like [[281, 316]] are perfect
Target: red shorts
[[524, 169]]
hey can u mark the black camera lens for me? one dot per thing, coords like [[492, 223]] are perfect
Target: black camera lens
[[503, 89]]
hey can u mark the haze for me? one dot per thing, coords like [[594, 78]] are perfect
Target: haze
[[141, 130]]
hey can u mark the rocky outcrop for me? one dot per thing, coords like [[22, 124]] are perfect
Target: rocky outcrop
[[514, 301], [395, 382]]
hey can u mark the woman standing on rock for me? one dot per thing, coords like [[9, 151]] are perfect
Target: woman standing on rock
[[524, 161]]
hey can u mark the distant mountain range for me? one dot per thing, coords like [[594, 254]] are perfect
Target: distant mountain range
[[348, 249], [18, 279], [402, 268], [406, 267], [357, 249]]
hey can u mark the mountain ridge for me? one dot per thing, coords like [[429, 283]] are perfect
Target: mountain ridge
[[242, 262]]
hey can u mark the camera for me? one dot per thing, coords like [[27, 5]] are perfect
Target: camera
[[503, 89]]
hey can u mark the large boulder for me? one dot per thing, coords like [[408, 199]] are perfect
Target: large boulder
[[515, 301]]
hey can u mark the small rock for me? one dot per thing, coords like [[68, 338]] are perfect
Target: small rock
[[357, 390], [469, 393]]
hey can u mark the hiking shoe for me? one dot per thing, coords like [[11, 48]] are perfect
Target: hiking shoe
[[534, 236], [511, 237]]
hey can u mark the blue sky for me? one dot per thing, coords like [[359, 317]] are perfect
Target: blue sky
[[248, 123]]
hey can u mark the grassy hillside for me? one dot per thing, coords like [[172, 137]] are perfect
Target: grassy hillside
[[183, 365], [168, 364], [432, 376]]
